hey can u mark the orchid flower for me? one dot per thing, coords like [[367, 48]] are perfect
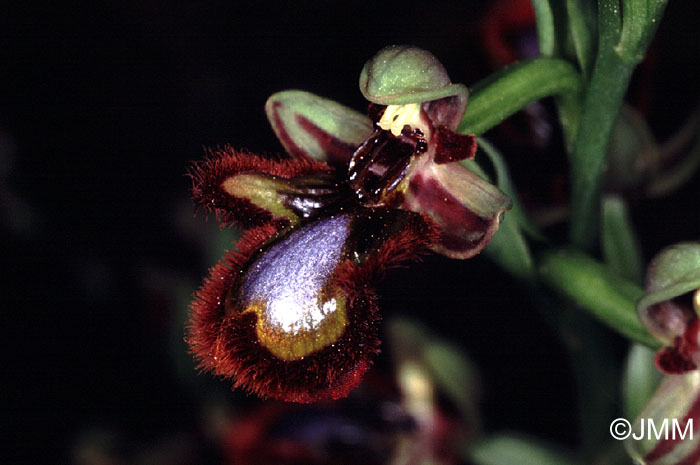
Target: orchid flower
[[291, 313]]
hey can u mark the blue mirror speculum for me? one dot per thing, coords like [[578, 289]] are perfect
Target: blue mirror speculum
[[291, 313]]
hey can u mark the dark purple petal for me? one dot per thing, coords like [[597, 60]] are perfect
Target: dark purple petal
[[451, 146]]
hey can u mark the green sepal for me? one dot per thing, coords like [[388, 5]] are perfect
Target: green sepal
[[309, 125], [673, 272], [401, 74]]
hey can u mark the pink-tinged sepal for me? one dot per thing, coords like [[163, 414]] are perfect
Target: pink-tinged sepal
[[250, 190], [671, 306], [311, 126], [466, 208], [292, 315]]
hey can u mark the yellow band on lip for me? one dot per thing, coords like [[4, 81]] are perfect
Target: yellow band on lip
[[297, 343]]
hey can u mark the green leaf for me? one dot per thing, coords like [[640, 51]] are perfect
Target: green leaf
[[620, 245], [513, 88], [546, 36], [510, 250], [582, 25], [639, 380], [509, 449], [597, 375], [504, 182], [595, 288], [640, 20]]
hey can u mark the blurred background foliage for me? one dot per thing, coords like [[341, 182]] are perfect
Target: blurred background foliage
[[104, 104]]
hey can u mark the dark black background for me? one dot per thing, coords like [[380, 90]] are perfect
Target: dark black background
[[107, 102]]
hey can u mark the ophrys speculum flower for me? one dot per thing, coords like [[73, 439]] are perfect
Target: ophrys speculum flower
[[292, 313]]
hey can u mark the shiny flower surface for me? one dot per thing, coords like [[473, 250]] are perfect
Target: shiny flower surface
[[291, 313]]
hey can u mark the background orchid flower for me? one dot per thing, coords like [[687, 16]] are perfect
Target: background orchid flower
[[671, 307], [292, 313]]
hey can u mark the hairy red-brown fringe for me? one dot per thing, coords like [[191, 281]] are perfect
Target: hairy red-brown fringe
[[420, 233], [207, 308]]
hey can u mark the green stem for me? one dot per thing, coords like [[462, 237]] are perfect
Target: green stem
[[514, 87], [593, 287], [611, 75], [607, 88]]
